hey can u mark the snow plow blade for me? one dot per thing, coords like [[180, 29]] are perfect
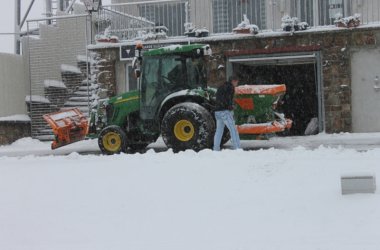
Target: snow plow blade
[[68, 126]]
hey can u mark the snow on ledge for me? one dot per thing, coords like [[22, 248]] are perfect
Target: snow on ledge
[[36, 98], [16, 118], [54, 83], [231, 36], [69, 68]]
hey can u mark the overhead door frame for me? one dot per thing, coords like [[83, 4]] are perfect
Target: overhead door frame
[[288, 59]]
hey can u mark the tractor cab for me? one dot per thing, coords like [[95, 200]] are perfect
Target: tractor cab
[[169, 70]]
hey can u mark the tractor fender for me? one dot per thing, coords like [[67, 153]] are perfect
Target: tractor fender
[[197, 96]]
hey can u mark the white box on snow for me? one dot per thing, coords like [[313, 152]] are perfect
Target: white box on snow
[[352, 184]]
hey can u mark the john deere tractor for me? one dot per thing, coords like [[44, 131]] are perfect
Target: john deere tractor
[[174, 101]]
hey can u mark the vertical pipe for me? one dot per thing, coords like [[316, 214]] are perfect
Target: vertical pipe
[[48, 10], [216, 17], [60, 5], [87, 67], [316, 13], [17, 27], [30, 81], [273, 14], [91, 27]]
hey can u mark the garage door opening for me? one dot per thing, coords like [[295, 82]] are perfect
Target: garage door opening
[[300, 102]]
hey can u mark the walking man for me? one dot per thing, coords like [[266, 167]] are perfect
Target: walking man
[[224, 113]]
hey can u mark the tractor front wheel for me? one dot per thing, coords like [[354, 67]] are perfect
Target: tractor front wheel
[[112, 140], [188, 126]]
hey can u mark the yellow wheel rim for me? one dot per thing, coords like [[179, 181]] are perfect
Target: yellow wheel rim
[[112, 142], [184, 130]]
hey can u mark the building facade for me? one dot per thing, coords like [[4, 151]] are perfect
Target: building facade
[[322, 69]]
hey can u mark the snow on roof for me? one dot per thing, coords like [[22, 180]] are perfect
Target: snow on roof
[[70, 68], [36, 98], [19, 117], [54, 83]]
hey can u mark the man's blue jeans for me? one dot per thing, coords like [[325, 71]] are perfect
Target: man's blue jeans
[[225, 118]]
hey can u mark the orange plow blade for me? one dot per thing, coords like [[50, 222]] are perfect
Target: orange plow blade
[[68, 126]]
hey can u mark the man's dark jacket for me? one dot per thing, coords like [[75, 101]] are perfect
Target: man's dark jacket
[[225, 97]]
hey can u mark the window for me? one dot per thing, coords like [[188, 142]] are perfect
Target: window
[[131, 80], [328, 9], [304, 10], [324, 10]]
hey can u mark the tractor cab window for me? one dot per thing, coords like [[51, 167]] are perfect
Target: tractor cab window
[[161, 75], [172, 73], [149, 87], [183, 73], [196, 72], [149, 78], [165, 75]]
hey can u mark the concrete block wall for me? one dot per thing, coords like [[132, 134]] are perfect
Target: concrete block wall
[[13, 85]]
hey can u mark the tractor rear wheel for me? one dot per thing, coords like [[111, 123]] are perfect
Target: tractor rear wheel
[[188, 126], [112, 140]]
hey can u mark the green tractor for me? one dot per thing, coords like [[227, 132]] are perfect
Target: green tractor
[[174, 101]]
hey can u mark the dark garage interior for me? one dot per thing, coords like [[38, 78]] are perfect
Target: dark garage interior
[[301, 100]]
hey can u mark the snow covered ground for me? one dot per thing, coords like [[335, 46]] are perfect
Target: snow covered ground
[[286, 195]]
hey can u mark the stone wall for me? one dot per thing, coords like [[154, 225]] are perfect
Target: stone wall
[[334, 45], [106, 71], [11, 131]]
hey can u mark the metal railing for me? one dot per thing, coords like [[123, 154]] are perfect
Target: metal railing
[[128, 20], [325, 12], [125, 26], [221, 16]]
